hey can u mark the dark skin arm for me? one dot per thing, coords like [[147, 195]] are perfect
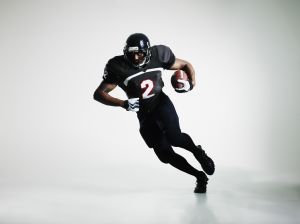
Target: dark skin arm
[[183, 65], [102, 95]]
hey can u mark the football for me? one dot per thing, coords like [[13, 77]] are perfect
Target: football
[[178, 74]]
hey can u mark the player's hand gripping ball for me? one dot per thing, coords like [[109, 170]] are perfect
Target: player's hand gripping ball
[[181, 82]]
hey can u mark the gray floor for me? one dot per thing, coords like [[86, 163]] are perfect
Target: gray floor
[[232, 197]]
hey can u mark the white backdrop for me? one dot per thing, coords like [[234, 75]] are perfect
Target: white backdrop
[[244, 110]]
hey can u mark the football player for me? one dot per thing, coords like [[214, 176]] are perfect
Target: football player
[[139, 73]]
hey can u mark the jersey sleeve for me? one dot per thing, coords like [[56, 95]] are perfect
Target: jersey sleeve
[[109, 76], [165, 56]]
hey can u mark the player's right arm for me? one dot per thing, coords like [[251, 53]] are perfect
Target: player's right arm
[[110, 82], [102, 95]]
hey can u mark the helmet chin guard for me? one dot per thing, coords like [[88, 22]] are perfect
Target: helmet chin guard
[[137, 43]]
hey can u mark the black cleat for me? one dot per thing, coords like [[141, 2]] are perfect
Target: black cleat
[[201, 183], [206, 162]]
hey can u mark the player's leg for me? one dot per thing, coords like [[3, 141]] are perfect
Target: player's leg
[[167, 116], [166, 154], [170, 122], [183, 140], [155, 138]]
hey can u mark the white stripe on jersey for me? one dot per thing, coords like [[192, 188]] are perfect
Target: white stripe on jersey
[[140, 73]]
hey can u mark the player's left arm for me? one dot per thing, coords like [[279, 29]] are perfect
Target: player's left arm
[[180, 64]]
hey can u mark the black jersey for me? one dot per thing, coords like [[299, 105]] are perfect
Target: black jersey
[[145, 82]]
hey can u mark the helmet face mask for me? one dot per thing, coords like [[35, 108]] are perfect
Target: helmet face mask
[[136, 50]]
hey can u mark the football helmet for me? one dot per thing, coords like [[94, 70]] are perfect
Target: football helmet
[[136, 50]]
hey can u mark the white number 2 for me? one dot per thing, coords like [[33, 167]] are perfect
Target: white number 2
[[148, 84]]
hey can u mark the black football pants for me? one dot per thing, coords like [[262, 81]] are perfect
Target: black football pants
[[160, 130]]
